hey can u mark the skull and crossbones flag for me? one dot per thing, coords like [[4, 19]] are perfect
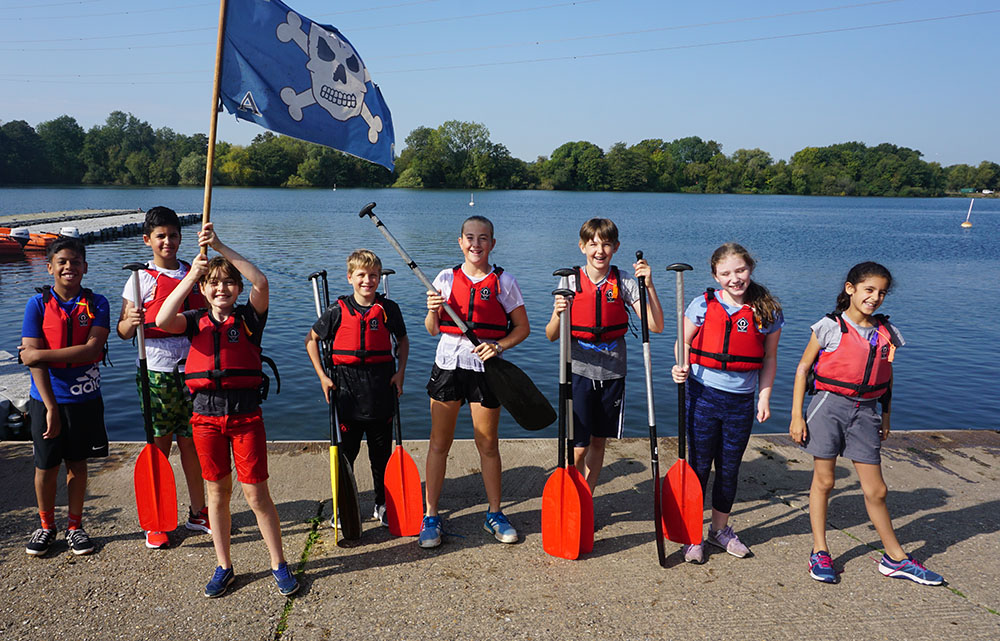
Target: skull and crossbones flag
[[302, 79]]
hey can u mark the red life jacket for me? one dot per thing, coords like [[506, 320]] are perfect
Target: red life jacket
[[716, 345], [161, 289], [598, 313], [222, 356], [362, 338], [478, 304], [65, 330], [858, 367]]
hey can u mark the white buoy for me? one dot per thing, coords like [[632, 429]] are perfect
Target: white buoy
[[968, 224], [472, 200]]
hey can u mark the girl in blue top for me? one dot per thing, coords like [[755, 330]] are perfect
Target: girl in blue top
[[730, 345]]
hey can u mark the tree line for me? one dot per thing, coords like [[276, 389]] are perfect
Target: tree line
[[128, 151]]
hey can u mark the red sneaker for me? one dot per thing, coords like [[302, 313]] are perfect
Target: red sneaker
[[199, 521], [157, 540]]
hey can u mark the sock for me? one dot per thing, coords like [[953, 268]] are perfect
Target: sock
[[48, 519], [75, 521]]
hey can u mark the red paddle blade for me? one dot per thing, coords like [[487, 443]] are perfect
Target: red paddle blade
[[586, 510], [561, 516], [404, 501], [683, 504], [155, 491]]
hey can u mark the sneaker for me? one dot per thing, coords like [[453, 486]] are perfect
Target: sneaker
[[78, 541], [221, 580], [695, 553], [908, 568], [379, 515], [430, 532], [335, 524], [498, 525], [199, 521], [41, 541], [287, 584], [821, 567], [157, 540], [728, 541]]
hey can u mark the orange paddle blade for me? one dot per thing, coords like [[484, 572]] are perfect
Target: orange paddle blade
[[683, 504], [586, 510], [561, 516], [155, 491], [404, 501]]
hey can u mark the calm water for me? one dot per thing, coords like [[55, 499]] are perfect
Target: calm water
[[945, 277]]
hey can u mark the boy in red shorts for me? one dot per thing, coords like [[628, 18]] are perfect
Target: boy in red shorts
[[223, 372]]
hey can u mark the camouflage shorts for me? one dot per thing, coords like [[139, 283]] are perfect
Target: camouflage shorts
[[171, 404]]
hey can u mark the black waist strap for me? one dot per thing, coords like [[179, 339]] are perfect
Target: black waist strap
[[858, 388], [728, 358]]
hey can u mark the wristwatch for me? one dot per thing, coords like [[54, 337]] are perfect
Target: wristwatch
[[498, 347]]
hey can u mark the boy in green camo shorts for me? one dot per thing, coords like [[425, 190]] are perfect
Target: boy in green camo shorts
[[170, 401]]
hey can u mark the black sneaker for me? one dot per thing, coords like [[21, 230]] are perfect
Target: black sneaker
[[79, 542], [41, 541]]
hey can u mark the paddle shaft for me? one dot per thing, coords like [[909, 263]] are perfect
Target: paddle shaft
[[331, 400], [147, 415], [654, 455], [680, 268]]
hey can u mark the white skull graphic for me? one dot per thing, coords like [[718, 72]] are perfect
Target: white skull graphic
[[338, 78]]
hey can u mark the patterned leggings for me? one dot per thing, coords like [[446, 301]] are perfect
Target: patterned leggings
[[718, 430]]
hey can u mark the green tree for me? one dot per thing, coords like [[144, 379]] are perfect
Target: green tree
[[62, 141], [22, 161]]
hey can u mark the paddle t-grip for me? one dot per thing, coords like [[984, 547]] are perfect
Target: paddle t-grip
[[680, 268]]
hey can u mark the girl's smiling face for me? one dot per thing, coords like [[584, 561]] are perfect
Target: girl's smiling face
[[867, 295], [733, 275], [477, 242]]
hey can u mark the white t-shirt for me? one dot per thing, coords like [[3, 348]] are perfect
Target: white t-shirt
[[162, 354], [454, 351]]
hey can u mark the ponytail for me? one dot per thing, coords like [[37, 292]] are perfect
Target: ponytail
[[857, 274]]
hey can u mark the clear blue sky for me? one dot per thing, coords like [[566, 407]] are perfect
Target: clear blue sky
[[779, 75]]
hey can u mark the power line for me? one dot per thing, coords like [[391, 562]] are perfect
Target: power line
[[50, 4]]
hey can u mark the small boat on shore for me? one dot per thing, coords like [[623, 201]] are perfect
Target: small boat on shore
[[10, 247], [31, 241]]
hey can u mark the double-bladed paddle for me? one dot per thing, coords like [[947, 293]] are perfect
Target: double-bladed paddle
[[654, 456], [683, 501], [404, 500], [346, 507], [512, 387], [155, 489]]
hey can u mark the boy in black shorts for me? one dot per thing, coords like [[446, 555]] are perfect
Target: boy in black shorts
[[63, 337], [362, 327]]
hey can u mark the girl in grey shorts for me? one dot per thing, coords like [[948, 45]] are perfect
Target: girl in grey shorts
[[850, 356]]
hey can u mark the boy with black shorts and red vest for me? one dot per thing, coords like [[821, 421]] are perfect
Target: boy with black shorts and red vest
[[490, 301], [170, 401], [362, 327], [63, 337], [223, 372], [599, 322]]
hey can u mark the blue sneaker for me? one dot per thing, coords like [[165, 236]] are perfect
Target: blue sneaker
[[910, 569], [821, 567], [430, 532], [287, 584], [498, 525], [220, 582]]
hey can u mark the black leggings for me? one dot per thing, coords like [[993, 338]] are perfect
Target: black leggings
[[379, 435]]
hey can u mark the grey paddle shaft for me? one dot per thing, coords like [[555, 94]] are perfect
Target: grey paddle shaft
[[314, 279], [647, 360], [680, 268], [147, 415], [566, 358], [385, 280], [368, 211]]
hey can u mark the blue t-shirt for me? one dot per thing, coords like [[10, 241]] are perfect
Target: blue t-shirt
[[69, 384], [736, 382]]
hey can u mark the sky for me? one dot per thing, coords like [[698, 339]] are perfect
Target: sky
[[776, 75]]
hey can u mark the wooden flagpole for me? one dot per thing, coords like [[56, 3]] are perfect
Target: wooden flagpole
[[210, 161]]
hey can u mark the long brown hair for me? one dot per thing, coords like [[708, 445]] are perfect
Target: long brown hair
[[765, 306]]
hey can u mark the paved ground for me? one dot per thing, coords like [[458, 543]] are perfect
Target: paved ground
[[943, 497]]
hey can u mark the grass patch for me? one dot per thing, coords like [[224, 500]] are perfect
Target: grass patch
[[314, 535]]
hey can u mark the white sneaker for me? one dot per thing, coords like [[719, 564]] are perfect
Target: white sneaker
[[380, 516]]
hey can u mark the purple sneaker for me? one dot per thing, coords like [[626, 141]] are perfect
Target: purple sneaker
[[728, 541], [695, 553]]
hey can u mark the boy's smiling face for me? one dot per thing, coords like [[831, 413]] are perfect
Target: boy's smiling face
[[599, 253], [164, 241], [68, 268], [477, 242], [365, 281]]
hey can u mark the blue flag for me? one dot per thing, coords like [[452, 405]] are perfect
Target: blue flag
[[302, 79]]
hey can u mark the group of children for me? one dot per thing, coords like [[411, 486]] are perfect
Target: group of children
[[205, 378]]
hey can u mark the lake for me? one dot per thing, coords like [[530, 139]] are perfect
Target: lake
[[944, 276]]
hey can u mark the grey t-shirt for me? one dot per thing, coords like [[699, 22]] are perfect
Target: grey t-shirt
[[604, 361]]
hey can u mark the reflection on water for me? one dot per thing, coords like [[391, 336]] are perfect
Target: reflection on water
[[945, 277]]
